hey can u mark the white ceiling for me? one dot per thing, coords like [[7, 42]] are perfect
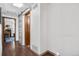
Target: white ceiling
[[8, 8]]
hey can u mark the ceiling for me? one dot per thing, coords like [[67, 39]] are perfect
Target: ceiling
[[9, 9]]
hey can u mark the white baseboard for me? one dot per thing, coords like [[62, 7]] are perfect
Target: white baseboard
[[42, 52], [55, 52]]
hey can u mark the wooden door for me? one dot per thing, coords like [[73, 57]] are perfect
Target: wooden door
[[27, 31]]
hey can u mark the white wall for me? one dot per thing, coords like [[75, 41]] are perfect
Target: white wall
[[0, 39], [17, 35], [43, 27], [55, 27], [35, 29], [63, 28], [20, 28], [23, 31]]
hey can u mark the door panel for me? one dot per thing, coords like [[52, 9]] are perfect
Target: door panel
[[27, 30]]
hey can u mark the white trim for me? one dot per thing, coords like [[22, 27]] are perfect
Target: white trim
[[26, 11], [9, 16], [42, 52], [55, 52]]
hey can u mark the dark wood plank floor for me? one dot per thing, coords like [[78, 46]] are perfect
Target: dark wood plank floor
[[18, 50], [10, 49]]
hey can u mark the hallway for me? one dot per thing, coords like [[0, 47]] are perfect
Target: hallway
[[18, 50]]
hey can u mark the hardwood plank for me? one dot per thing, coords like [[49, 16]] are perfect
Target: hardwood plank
[[17, 51]]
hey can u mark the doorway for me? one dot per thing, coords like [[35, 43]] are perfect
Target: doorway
[[8, 31], [27, 28]]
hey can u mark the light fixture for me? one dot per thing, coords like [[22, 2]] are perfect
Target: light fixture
[[19, 5]]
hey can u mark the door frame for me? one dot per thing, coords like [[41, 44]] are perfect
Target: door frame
[[23, 15], [27, 33], [3, 17]]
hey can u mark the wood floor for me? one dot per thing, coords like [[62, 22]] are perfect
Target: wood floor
[[18, 50], [10, 49]]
